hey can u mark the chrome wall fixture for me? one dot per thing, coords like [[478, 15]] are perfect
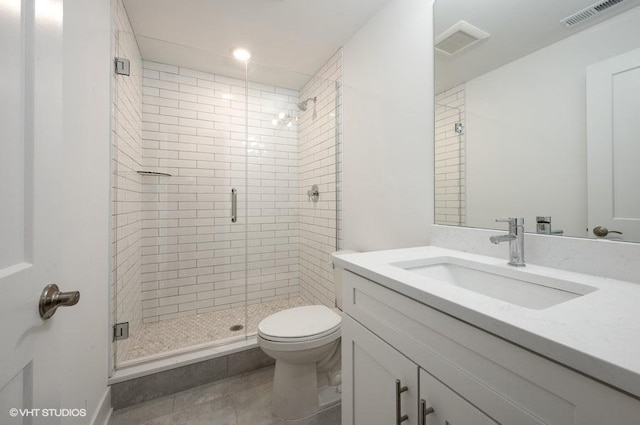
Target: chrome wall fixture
[[153, 173], [120, 331], [543, 226], [305, 104], [313, 193], [122, 66]]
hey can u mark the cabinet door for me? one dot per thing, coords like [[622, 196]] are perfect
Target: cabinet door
[[371, 368], [448, 407]]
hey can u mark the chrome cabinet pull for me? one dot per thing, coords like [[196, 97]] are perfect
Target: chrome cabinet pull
[[399, 390], [51, 298], [424, 412], [234, 205]]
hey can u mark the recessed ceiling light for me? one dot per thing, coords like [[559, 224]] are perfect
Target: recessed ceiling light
[[241, 54]]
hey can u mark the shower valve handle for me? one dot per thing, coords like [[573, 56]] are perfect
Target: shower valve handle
[[313, 193]]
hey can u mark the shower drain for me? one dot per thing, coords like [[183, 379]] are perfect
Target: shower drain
[[236, 328]]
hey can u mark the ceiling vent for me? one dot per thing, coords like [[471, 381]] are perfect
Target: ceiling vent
[[589, 12], [459, 37]]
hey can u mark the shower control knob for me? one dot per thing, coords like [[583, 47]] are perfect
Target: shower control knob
[[313, 193], [52, 298]]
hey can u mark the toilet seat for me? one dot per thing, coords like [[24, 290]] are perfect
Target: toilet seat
[[314, 323], [297, 344]]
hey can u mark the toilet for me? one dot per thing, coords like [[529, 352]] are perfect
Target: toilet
[[304, 341]]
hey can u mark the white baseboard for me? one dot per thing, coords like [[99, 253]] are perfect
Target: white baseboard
[[103, 410]]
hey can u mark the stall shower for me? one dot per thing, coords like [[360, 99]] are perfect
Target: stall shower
[[191, 148]]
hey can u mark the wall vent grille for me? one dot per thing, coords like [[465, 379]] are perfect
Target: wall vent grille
[[589, 12]]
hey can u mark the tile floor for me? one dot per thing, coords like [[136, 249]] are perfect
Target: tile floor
[[171, 335], [239, 400]]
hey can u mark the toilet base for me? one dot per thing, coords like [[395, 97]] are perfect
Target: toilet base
[[329, 396], [295, 390]]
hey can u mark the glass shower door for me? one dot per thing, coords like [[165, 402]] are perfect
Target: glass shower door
[[179, 156], [273, 280]]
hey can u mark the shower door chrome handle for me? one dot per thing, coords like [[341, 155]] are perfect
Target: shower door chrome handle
[[234, 205]]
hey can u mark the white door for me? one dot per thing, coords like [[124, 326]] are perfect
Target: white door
[[371, 369], [613, 146], [33, 359]]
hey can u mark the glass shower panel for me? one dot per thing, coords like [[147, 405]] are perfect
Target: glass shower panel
[[126, 194], [273, 192], [188, 283], [320, 139], [291, 146]]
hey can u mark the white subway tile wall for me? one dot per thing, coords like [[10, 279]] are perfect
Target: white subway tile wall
[[320, 142], [193, 256], [450, 201], [126, 220]]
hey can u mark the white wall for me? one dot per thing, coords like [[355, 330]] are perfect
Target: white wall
[[388, 129], [526, 130], [84, 187]]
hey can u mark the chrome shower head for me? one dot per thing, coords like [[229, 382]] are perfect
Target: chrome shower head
[[305, 104]]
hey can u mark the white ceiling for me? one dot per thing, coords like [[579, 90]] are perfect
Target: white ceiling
[[516, 28], [289, 39]]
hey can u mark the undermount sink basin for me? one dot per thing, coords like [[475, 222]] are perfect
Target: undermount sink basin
[[511, 285]]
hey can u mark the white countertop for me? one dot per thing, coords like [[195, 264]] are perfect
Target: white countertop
[[597, 334]]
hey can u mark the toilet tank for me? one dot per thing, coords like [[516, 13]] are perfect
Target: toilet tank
[[338, 272]]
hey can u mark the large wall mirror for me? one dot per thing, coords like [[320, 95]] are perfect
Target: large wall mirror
[[538, 115]]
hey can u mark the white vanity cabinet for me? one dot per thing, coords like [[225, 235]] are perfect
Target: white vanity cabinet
[[376, 369], [468, 376], [451, 408]]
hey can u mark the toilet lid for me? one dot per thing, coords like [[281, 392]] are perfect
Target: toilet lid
[[300, 322]]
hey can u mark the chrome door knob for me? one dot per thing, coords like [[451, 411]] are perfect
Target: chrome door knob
[[52, 298], [601, 231]]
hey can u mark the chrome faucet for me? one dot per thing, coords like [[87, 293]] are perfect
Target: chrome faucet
[[516, 240]]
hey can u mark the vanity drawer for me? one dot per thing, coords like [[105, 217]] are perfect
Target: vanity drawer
[[481, 367]]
